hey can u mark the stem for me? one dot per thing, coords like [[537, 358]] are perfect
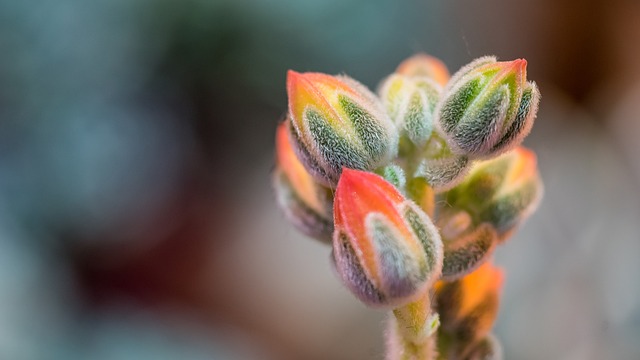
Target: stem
[[410, 332]]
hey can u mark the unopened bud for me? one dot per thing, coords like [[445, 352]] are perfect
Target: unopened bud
[[441, 167], [305, 203], [337, 123], [386, 249], [503, 191], [469, 306], [466, 246], [410, 102], [488, 107]]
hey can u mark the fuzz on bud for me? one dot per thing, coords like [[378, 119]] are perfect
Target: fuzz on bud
[[488, 107], [469, 306], [503, 191], [466, 246], [441, 167], [423, 65], [337, 123], [410, 102], [304, 202], [386, 249]]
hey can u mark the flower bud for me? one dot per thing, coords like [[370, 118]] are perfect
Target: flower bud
[[466, 246], [503, 191], [411, 102], [423, 65], [337, 123], [439, 166], [304, 202], [469, 306], [488, 107], [386, 249]]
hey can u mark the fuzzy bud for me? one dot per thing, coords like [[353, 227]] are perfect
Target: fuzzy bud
[[305, 203], [466, 246], [488, 107], [503, 191], [410, 101], [337, 123], [469, 306], [441, 167], [423, 65], [386, 249]]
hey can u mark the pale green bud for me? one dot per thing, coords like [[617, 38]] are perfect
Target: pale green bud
[[488, 107], [410, 102]]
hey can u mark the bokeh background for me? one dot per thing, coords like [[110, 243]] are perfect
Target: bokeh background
[[136, 143]]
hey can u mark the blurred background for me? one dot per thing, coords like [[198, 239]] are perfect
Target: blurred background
[[136, 143]]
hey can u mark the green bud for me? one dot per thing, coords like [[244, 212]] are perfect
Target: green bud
[[410, 103], [441, 167], [466, 246], [502, 192], [488, 107]]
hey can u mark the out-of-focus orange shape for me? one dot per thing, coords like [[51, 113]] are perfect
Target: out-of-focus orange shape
[[486, 281], [303, 184], [425, 65]]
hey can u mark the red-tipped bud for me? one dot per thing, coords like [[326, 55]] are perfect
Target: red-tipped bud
[[488, 107], [386, 249]]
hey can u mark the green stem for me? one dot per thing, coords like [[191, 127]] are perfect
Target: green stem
[[411, 331]]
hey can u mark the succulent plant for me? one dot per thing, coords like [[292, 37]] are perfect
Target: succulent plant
[[414, 188]]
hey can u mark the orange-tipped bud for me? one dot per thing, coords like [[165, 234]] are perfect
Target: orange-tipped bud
[[469, 306], [488, 107], [337, 123], [306, 204], [386, 249], [502, 192]]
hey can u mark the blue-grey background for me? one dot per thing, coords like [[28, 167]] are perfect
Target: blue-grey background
[[136, 142]]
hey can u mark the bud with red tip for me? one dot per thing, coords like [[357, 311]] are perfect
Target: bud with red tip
[[337, 123], [488, 107], [306, 204], [386, 249]]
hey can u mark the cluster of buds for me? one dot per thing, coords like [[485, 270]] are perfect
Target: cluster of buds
[[414, 187]]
